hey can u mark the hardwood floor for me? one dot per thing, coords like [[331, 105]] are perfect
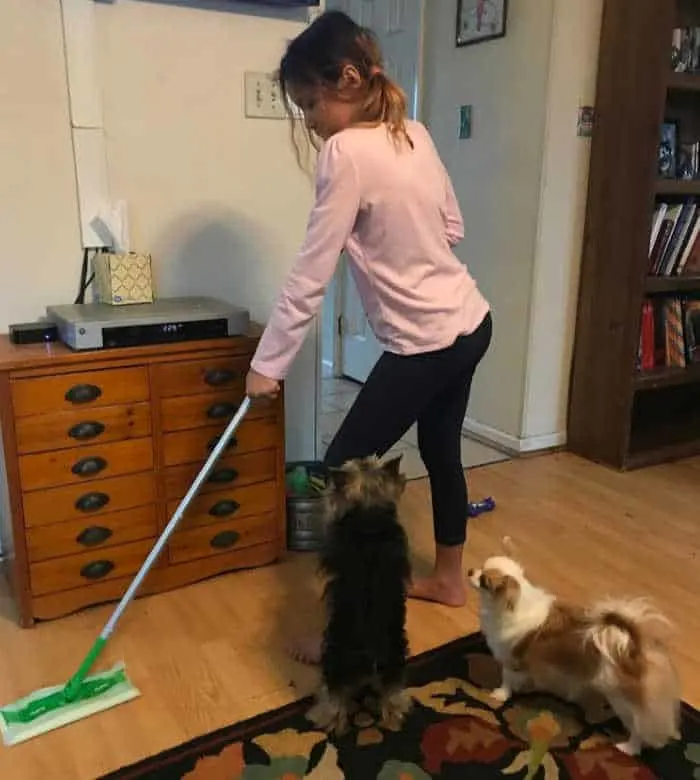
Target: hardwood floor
[[211, 654]]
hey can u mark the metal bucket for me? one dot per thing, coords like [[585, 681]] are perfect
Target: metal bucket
[[305, 513]]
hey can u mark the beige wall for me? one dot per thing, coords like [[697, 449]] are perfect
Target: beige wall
[[217, 198], [40, 252], [521, 181], [496, 175]]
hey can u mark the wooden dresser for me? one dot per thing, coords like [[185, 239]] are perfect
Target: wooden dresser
[[99, 447]]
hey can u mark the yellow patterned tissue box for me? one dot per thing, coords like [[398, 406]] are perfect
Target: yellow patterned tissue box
[[123, 278]]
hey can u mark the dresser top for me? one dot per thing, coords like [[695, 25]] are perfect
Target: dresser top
[[27, 356]]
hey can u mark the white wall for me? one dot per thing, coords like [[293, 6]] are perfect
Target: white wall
[[215, 197], [521, 181]]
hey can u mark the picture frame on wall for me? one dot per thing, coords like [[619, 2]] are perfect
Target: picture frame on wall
[[480, 20]]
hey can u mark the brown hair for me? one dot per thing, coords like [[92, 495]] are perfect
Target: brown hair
[[316, 59]]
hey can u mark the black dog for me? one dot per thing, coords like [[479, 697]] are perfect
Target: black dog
[[366, 563]]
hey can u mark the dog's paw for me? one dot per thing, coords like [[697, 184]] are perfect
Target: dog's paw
[[329, 717], [501, 694], [394, 709], [630, 748]]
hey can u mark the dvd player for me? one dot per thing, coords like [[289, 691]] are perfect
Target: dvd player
[[165, 321]]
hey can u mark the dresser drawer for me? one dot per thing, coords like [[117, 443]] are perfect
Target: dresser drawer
[[84, 390], [87, 568], [221, 538], [43, 432], [99, 497], [190, 377], [84, 464], [194, 446], [231, 470], [227, 505], [91, 534], [194, 411]]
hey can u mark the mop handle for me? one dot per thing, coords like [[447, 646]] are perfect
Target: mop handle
[[177, 516], [72, 688]]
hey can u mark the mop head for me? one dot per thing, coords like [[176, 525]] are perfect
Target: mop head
[[49, 708]]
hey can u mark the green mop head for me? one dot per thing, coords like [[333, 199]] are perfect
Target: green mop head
[[50, 708]]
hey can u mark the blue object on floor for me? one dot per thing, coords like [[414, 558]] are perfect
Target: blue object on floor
[[477, 508]]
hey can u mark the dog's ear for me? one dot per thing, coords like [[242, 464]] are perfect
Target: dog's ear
[[393, 467], [501, 586], [338, 478]]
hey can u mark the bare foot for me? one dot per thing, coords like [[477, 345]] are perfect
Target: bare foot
[[432, 589], [306, 650]]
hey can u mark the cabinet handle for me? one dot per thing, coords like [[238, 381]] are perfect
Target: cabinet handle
[[223, 475], [223, 508], [86, 430], [83, 394], [96, 570], [217, 411], [93, 535], [213, 442], [91, 502], [216, 377], [86, 467], [224, 539]]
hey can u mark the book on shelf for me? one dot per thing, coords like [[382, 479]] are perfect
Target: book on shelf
[[669, 333], [685, 50], [674, 245]]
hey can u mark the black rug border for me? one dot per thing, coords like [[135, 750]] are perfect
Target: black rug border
[[226, 734]]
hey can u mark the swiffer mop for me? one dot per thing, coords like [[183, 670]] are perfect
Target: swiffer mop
[[50, 708]]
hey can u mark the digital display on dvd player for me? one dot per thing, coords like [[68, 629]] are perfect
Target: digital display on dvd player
[[163, 333]]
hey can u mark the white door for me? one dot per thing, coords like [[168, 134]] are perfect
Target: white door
[[398, 25]]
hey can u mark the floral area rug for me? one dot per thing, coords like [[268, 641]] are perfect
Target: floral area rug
[[455, 731]]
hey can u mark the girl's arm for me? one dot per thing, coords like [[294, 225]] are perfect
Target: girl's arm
[[330, 224]]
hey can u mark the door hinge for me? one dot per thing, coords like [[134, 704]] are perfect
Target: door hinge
[[340, 325]]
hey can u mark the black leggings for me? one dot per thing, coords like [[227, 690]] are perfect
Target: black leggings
[[432, 389]]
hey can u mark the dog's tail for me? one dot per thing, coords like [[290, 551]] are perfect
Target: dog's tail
[[622, 629]]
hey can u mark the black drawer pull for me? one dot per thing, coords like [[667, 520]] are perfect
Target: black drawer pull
[[96, 570], [217, 411], [223, 508], [94, 535], [213, 442], [91, 502], [224, 539], [216, 377], [83, 394], [223, 475], [86, 467], [86, 430]]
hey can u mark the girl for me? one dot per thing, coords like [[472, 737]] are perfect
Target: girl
[[383, 196]]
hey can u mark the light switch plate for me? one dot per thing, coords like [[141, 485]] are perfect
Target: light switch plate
[[465, 122], [263, 99]]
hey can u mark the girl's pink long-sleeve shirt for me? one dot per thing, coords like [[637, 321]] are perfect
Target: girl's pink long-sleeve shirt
[[394, 211]]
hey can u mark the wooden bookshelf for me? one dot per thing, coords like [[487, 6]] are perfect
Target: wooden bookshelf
[[619, 415]]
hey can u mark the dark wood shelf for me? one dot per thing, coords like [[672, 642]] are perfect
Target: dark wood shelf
[[666, 377], [681, 187], [664, 453], [670, 284], [684, 82]]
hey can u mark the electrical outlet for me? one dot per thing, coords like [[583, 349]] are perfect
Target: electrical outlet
[[262, 97]]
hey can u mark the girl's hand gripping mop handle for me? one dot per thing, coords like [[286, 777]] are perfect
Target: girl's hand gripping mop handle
[[73, 685]]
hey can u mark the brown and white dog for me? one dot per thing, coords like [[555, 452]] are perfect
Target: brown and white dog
[[616, 649]]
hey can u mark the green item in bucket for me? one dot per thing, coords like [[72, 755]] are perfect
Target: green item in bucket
[[302, 484]]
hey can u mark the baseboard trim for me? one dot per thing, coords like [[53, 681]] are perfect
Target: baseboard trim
[[512, 444]]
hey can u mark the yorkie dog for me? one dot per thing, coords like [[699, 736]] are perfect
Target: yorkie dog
[[366, 564]]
